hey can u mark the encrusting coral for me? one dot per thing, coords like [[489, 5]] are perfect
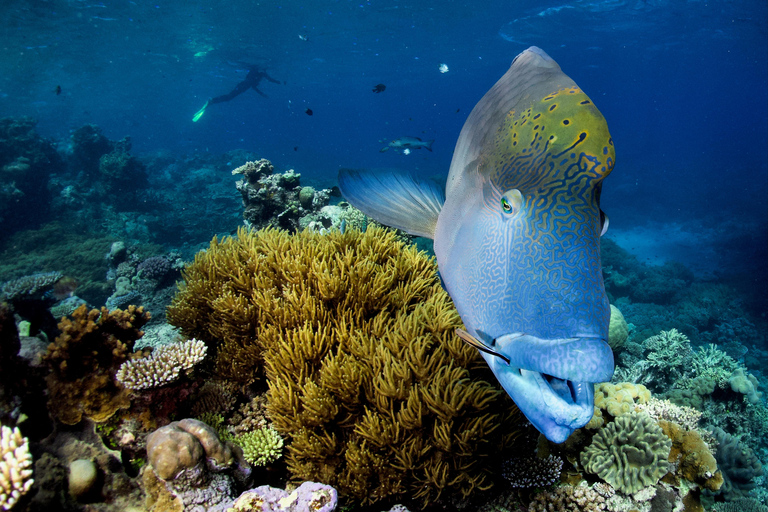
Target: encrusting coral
[[368, 383], [84, 359], [691, 456], [15, 467], [630, 453], [615, 400]]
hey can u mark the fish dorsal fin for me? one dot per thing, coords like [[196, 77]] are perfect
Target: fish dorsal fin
[[532, 74], [394, 198]]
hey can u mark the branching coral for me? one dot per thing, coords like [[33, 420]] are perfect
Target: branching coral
[[630, 453], [84, 359], [568, 498], [15, 467], [163, 366], [529, 472], [262, 446], [367, 381]]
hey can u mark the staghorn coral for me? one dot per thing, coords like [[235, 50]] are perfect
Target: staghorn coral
[[528, 472], [630, 453], [691, 456], [262, 446], [15, 466], [368, 383], [163, 366], [84, 359]]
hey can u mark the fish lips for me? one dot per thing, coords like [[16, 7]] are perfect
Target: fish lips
[[552, 381]]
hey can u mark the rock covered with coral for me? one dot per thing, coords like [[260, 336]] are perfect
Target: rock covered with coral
[[278, 200], [308, 497]]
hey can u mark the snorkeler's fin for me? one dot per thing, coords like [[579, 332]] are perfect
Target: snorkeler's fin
[[199, 113]]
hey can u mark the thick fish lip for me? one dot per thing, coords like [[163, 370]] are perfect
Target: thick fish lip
[[578, 359]]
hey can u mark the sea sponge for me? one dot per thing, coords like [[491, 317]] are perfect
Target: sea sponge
[[630, 453], [368, 383], [84, 359], [618, 330], [691, 456]]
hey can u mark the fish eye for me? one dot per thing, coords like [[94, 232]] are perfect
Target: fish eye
[[603, 223], [511, 201]]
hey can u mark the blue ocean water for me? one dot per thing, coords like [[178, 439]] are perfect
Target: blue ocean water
[[683, 85]]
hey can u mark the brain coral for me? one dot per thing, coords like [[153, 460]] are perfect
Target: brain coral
[[630, 453], [368, 383]]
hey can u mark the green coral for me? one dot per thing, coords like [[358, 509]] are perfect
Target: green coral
[[262, 446], [618, 330], [217, 422], [630, 453]]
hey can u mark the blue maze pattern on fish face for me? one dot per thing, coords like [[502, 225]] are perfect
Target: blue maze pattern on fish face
[[556, 153]]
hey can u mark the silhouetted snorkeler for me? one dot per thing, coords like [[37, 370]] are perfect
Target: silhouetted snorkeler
[[252, 80]]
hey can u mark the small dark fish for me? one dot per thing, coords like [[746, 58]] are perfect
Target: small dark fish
[[457, 110], [58, 90], [295, 148], [379, 88], [309, 112]]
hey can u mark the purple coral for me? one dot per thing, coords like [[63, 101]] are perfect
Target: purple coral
[[155, 267], [308, 497]]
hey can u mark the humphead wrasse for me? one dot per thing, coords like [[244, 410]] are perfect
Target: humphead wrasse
[[517, 237]]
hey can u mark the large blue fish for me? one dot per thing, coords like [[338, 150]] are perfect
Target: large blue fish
[[517, 237]]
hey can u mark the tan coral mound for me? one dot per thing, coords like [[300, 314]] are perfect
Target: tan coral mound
[[368, 383], [85, 358]]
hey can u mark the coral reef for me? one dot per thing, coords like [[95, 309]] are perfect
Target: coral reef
[[368, 383], [26, 162], [163, 366], [15, 466], [278, 200], [84, 359], [630, 453]]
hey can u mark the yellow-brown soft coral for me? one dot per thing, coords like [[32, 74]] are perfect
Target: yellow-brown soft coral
[[691, 456], [84, 359], [368, 383]]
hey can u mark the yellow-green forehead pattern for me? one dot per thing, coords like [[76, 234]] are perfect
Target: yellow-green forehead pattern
[[559, 136]]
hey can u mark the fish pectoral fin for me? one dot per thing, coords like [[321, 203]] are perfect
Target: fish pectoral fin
[[395, 199], [479, 345]]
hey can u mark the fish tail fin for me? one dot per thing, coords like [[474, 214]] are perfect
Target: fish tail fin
[[429, 144], [394, 199]]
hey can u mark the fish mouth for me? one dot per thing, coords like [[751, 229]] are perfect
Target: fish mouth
[[551, 380]]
